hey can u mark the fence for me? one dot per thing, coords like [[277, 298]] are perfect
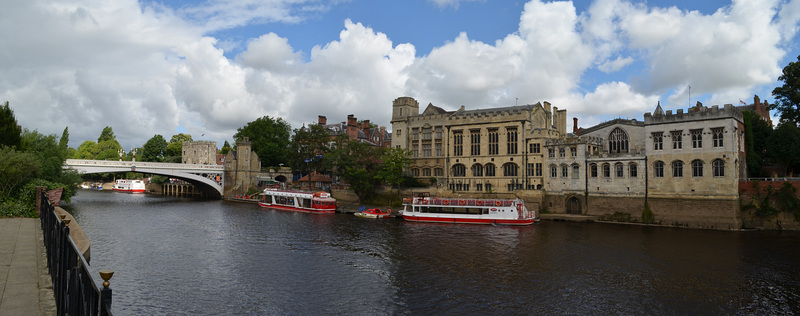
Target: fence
[[76, 291]]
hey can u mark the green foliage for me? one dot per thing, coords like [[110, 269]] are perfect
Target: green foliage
[[783, 146], [158, 179], [27, 195], [87, 150], [786, 198], [358, 164], [106, 134], [15, 208], [225, 148], [63, 142], [647, 215], [16, 169], [50, 155], [9, 129], [154, 149], [308, 148], [787, 96], [175, 147], [395, 160], [269, 138], [411, 182]]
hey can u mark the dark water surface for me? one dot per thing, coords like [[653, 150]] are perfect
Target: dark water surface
[[182, 256]]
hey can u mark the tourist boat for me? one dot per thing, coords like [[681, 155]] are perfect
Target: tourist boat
[[467, 211], [299, 201], [131, 186], [372, 213]]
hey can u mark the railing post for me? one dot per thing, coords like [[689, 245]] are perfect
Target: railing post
[[105, 293]]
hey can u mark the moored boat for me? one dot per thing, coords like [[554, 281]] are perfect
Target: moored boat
[[467, 211], [130, 186], [298, 201], [372, 213]]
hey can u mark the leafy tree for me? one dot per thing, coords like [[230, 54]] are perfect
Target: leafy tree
[[783, 146], [49, 154], [63, 142], [108, 150], [269, 137], [787, 96], [757, 132], [154, 149], [308, 148], [358, 164], [87, 150], [175, 147], [395, 160], [225, 148], [106, 134], [9, 129], [16, 169]]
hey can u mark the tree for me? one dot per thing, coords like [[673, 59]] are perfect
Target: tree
[[45, 147], [357, 163], [154, 149], [87, 150], [9, 129], [16, 169], [395, 160], [308, 148], [225, 148], [269, 138], [63, 142], [175, 146], [787, 96], [106, 134], [757, 132], [108, 150], [783, 146]]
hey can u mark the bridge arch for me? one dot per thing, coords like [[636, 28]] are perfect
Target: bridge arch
[[204, 176]]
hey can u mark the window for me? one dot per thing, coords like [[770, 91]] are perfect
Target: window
[[475, 142], [719, 167], [633, 171], [489, 170], [658, 141], [459, 170], [536, 148], [438, 149], [426, 150], [415, 172], [676, 139], [576, 171], [553, 171], [510, 170], [618, 141], [658, 169], [415, 134], [593, 170], [458, 143], [438, 172], [438, 132], [697, 168], [619, 170], [426, 172], [677, 169], [426, 133], [551, 152], [573, 151], [697, 138], [561, 152], [606, 170], [494, 138], [511, 138], [717, 136], [477, 170], [564, 171], [538, 172]]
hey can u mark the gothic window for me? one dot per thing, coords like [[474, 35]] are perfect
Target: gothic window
[[606, 170], [488, 169], [619, 169], [677, 169], [576, 171], [459, 170], [535, 148], [551, 152], [426, 172], [438, 172], [561, 152], [658, 141], [618, 141], [593, 170], [458, 143], [475, 142], [717, 136], [658, 169], [573, 151], [511, 138], [510, 169], [564, 171], [719, 167], [553, 171], [633, 171], [477, 170], [697, 168], [677, 141], [494, 138], [415, 172], [697, 138]]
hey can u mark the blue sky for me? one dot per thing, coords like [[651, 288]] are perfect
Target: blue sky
[[209, 67]]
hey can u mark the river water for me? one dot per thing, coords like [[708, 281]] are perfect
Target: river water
[[184, 256]]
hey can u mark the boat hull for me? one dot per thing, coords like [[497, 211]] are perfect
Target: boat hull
[[296, 209], [368, 215], [129, 190], [462, 220]]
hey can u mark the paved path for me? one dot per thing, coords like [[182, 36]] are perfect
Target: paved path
[[25, 284]]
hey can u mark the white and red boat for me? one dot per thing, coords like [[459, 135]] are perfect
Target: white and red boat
[[130, 186], [298, 201], [372, 213], [467, 211]]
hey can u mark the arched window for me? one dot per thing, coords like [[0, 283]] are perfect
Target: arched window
[[415, 172], [719, 167], [510, 169], [606, 170], [439, 172], [576, 171], [489, 170], [677, 168], [593, 170], [459, 170], [553, 171], [618, 141], [658, 169], [477, 170], [697, 168], [633, 170], [619, 170], [564, 171]]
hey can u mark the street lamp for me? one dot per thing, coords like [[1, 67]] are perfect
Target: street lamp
[[120, 152], [134, 154]]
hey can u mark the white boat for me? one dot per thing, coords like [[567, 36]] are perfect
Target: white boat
[[467, 211], [131, 186], [298, 201]]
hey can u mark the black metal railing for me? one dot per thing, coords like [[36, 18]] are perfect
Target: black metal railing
[[77, 291]]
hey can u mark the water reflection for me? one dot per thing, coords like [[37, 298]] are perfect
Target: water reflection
[[213, 257]]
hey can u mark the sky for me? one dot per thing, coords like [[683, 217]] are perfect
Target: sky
[[207, 68]]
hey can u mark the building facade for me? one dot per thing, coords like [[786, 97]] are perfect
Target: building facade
[[199, 153]]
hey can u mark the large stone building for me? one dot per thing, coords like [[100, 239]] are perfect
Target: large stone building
[[363, 131], [242, 169], [199, 153], [496, 150], [684, 165]]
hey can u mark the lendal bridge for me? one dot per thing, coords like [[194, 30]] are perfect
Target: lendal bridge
[[203, 176]]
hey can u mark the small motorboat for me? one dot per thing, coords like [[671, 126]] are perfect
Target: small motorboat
[[372, 213]]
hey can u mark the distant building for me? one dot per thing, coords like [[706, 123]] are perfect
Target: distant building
[[758, 107], [242, 168], [363, 131], [199, 153]]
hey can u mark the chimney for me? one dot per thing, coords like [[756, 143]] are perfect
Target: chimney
[[322, 120], [352, 127], [756, 101], [575, 125]]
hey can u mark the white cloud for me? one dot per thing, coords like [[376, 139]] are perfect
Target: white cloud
[[616, 64]]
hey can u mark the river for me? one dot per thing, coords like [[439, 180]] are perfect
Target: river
[[185, 256]]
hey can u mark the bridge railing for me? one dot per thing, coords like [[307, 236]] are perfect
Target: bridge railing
[[77, 291], [140, 164]]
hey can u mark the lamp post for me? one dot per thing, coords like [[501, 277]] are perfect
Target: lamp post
[[134, 154], [120, 152]]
